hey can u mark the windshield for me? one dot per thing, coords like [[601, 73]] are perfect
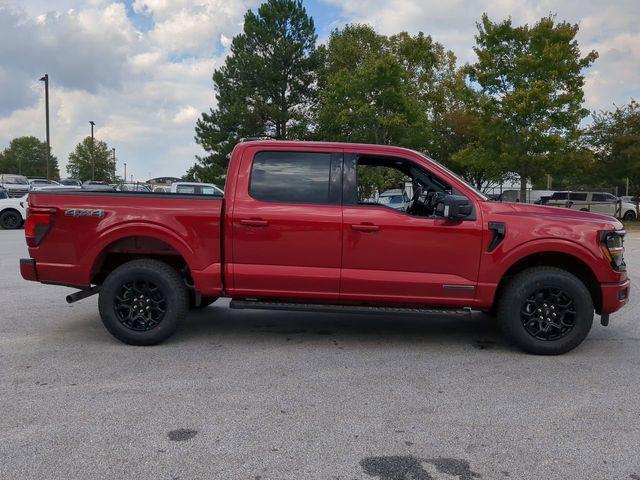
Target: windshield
[[455, 175], [391, 199], [13, 180]]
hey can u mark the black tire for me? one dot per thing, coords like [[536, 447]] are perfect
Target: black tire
[[143, 302], [523, 317], [204, 301], [10, 220], [629, 216]]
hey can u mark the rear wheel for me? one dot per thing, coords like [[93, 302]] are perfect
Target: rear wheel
[[143, 302], [629, 216], [546, 311], [10, 220]]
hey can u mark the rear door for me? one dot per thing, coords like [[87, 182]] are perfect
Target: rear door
[[603, 203], [286, 224]]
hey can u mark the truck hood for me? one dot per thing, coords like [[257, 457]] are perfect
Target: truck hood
[[555, 214]]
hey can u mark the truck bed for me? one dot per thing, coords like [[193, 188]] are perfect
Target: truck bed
[[90, 231]]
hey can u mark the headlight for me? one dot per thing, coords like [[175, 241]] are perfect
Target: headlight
[[613, 247]]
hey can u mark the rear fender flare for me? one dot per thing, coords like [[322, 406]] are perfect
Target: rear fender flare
[[140, 229]]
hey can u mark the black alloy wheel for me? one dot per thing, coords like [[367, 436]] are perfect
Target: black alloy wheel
[[548, 314], [142, 302], [140, 305]]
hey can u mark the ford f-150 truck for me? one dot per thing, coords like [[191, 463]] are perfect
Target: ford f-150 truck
[[297, 229]]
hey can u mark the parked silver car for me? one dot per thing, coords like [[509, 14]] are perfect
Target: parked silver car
[[15, 185]]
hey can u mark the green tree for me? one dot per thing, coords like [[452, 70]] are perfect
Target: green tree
[[387, 90], [265, 87], [27, 156], [384, 90], [532, 83], [81, 161], [614, 137]]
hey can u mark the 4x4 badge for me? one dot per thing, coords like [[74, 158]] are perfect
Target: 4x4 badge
[[82, 212]]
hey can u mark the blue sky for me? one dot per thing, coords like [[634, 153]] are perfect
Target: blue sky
[[141, 69]]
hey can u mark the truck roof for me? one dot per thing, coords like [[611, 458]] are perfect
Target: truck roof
[[340, 145]]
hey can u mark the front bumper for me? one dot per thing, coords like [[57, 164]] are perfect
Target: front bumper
[[28, 269], [614, 296]]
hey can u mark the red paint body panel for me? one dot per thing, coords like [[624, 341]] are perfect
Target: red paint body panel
[[242, 247]]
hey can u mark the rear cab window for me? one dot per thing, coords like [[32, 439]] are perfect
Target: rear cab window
[[295, 177]]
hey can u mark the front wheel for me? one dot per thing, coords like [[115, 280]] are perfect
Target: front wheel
[[545, 311], [143, 302]]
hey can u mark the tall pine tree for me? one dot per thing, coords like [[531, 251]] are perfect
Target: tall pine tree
[[266, 86]]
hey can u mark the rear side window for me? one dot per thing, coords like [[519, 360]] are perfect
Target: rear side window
[[186, 189], [578, 196], [291, 177]]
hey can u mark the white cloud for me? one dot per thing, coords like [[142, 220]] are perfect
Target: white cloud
[[143, 89]]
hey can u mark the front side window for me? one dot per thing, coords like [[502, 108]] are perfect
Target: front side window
[[397, 184], [291, 177]]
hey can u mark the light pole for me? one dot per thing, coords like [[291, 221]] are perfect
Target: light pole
[[93, 162], [125, 172], [114, 163], [45, 79]]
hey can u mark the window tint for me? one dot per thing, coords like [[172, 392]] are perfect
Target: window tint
[[208, 190], [598, 197], [578, 196], [186, 189], [291, 177], [560, 196]]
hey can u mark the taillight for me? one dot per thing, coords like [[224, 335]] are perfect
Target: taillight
[[38, 224]]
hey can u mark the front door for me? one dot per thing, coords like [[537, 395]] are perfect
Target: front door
[[403, 255], [286, 224]]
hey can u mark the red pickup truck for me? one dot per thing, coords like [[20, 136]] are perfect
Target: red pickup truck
[[301, 226]]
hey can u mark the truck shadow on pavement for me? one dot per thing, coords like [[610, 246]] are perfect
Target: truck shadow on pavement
[[477, 330]]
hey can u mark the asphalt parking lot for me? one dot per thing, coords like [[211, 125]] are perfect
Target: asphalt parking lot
[[273, 395]]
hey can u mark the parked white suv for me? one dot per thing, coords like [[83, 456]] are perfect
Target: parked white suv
[[597, 202], [12, 211]]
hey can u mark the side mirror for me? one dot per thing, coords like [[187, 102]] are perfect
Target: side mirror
[[454, 207]]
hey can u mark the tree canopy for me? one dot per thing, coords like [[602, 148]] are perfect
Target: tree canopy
[[532, 84], [27, 156], [514, 112], [81, 161], [614, 137]]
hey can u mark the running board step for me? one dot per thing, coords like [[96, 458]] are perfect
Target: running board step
[[327, 308]]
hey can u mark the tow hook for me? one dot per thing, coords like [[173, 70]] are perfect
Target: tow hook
[[74, 297], [604, 319]]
